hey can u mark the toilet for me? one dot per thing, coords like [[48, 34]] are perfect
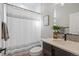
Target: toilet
[[36, 51]]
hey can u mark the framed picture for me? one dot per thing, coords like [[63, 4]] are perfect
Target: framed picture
[[46, 20]]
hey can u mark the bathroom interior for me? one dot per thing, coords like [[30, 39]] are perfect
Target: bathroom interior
[[39, 29]]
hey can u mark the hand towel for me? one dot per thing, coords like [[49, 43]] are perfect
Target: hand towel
[[5, 34]]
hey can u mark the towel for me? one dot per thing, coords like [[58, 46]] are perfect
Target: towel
[[5, 34]]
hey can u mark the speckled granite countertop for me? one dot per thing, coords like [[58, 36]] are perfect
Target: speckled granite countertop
[[70, 46]]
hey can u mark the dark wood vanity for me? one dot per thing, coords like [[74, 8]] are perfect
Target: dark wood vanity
[[50, 50]]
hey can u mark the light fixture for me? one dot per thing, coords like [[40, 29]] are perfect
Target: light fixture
[[54, 12]]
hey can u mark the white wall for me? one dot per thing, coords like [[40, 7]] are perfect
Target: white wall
[[63, 12], [74, 23], [46, 31], [62, 16]]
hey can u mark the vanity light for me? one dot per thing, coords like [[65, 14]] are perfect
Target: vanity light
[[54, 12], [55, 15]]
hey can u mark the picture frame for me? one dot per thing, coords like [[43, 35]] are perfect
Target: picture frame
[[46, 20]]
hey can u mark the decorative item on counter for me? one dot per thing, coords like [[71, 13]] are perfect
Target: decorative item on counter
[[56, 29]]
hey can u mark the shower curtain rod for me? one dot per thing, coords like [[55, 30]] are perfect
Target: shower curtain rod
[[22, 8]]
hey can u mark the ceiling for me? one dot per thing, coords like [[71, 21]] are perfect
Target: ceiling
[[67, 7], [30, 6]]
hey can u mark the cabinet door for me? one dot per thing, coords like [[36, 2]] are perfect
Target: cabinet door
[[61, 52], [47, 51]]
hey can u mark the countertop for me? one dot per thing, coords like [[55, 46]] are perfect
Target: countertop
[[70, 46]]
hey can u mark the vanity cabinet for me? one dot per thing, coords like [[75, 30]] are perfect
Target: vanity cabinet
[[49, 50]]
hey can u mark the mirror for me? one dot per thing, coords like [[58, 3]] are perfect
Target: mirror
[[67, 16]]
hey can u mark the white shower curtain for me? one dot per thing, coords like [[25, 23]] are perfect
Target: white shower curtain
[[23, 32], [24, 27]]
